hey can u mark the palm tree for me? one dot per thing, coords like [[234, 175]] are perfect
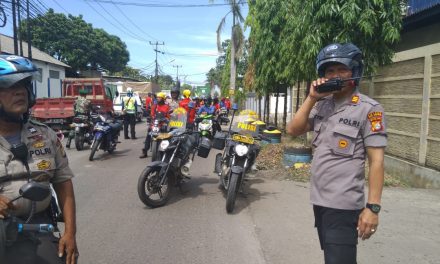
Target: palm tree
[[237, 36]]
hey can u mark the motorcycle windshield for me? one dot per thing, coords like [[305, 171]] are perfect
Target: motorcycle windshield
[[178, 119], [242, 123]]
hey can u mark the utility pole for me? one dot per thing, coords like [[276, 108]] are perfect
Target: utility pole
[[19, 27], [14, 26], [177, 76], [156, 75], [29, 40]]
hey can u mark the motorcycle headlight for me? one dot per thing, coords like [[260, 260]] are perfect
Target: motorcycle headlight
[[164, 145], [155, 129], [241, 149]]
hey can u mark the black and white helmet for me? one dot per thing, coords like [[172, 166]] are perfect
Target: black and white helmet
[[347, 54]]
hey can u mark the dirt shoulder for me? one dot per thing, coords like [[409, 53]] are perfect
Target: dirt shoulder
[[270, 165]]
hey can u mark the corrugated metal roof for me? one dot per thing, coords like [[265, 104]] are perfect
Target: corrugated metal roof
[[7, 46], [416, 6]]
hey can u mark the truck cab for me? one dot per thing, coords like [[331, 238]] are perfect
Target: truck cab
[[58, 113]]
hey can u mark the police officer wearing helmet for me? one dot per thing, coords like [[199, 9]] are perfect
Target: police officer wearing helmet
[[160, 107], [47, 164], [348, 127], [184, 103], [174, 101], [129, 108]]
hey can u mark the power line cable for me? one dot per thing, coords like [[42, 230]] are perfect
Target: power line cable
[[160, 5], [58, 4], [124, 28], [134, 24], [109, 21]]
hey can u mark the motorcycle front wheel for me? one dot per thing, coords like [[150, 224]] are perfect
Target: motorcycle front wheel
[[150, 192], [234, 182], [94, 148], [155, 150], [79, 141]]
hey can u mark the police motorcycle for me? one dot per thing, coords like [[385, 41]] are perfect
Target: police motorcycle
[[105, 134], [158, 125], [11, 227], [177, 149], [240, 151], [222, 117]]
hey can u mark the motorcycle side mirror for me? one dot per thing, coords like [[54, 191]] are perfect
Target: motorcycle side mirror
[[20, 152], [191, 105], [35, 191], [235, 107]]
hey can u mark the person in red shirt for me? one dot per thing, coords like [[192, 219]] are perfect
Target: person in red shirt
[[184, 103], [159, 107], [228, 103], [216, 104], [149, 102]]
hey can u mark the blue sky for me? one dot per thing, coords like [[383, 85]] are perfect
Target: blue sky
[[189, 33]]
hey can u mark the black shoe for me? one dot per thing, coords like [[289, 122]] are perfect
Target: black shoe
[[126, 137], [134, 138], [143, 156]]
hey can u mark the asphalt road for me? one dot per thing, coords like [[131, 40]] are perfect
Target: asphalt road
[[272, 223]]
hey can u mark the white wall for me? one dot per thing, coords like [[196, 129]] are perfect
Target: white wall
[[45, 86]]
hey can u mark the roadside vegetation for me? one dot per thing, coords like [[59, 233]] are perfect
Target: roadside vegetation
[[270, 164]]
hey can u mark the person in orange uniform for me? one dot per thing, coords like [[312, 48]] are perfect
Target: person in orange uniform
[[184, 103], [161, 107]]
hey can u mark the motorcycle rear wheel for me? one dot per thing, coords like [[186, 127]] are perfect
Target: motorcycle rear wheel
[[94, 148], [234, 182], [79, 142], [148, 185]]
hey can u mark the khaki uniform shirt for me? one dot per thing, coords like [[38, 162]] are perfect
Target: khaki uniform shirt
[[47, 162], [340, 138]]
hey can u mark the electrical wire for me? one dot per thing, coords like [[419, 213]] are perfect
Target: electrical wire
[[124, 28], [159, 5], [58, 4], [134, 24]]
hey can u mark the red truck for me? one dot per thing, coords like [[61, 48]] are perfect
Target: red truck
[[58, 113]]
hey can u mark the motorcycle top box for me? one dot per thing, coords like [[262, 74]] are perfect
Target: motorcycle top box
[[204, 147], [219, 140]]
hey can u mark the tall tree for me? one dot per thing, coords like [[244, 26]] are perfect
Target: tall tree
[[237, 36], [287, 35], [75, 42]]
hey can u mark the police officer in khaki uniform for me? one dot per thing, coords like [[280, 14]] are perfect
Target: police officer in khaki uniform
[[47, 164], [348, 128]]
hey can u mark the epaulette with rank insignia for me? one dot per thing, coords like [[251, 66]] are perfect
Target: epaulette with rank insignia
[[366, 99], [35, 122]]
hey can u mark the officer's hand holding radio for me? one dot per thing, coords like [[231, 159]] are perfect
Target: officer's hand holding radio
[[313, 93]]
